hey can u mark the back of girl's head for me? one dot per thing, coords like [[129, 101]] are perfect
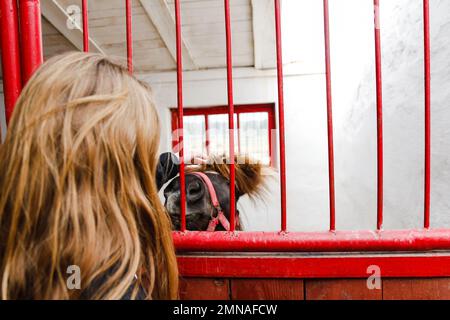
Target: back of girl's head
[[77, 186]]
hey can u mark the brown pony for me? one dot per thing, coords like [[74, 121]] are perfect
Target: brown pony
[[200, 209]]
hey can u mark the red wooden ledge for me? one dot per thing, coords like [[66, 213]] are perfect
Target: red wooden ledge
[[340, 241]]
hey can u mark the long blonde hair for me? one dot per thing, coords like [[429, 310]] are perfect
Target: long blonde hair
[[77, 187]]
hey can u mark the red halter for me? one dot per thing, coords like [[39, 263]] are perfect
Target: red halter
[[220, 218]]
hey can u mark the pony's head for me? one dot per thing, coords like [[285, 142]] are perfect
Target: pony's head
[[200, 209]]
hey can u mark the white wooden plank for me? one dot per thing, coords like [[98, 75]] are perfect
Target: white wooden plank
[[203, 33], [264, 34]]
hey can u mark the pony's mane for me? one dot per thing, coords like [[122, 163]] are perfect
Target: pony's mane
[[249, 175]]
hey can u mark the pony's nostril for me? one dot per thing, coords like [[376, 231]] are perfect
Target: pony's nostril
[[194, 191]]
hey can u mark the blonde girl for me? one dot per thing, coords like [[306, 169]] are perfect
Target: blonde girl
[[77, 188]]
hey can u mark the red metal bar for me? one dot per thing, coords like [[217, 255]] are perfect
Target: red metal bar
[[12, 78], [427, 62], [129, 35], [84, 9], [315, 267], [31, 37], [339, 241], [271, 132], [174, 120], [239, 132], [230, 114], [329, 117], [207, 135], [379, 85], [281, 115], [180, 114]]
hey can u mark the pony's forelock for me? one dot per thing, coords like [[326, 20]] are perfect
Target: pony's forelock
[[248, 172]]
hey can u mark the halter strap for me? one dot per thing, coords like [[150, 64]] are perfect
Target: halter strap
[[220, 218]]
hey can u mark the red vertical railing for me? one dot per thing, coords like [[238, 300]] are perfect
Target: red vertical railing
[[207, 136], [129, 27], [280, 77], [230, 114], [239, 132], [180, 114], [427, 64], [84, 12], [379, 90], [9, 31], [31, 37], [329, 116]]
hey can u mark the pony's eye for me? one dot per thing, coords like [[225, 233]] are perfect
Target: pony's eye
[[195, 186], [194, 191]]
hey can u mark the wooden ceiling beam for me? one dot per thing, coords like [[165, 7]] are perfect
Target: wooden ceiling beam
[[60, 19], [164, 22]]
